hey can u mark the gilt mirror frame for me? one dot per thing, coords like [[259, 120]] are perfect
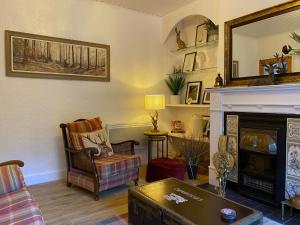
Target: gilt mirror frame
[[247, 19]]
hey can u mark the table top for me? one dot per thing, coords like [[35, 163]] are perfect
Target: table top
[[287, 202], [179, 198], [159, 133]]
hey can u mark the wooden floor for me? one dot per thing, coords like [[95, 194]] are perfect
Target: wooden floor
[[62, 205]]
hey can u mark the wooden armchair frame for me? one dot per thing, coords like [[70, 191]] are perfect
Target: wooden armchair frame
[[83, 161]]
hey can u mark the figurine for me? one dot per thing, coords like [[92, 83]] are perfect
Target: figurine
[[219, 81], [180, 42]]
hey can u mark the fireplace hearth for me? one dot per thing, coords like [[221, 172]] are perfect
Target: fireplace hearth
[[261, 156]]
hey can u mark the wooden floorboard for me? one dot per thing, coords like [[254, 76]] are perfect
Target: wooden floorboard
[[62, 205]]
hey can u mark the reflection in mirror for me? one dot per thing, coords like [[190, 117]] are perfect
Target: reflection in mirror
[[270, 46]]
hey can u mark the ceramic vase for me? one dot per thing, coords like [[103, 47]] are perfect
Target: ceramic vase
[[174, 99]]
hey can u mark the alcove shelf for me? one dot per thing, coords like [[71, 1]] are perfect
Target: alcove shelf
[[192, 72], [188, 105], [193, 47]]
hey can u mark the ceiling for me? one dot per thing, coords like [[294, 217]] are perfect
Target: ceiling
[[154, 7], [287, 22]]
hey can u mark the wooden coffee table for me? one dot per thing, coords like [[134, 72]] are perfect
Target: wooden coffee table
[[173, 202]]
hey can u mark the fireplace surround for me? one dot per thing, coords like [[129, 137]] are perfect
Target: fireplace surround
[[261, 155], [276, 100]]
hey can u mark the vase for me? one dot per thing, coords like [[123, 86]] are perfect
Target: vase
[[192, 171], [222, 185], [174, 99], [213, 35]]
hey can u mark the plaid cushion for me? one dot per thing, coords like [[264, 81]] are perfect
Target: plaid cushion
[[11, 179], [116, 164], [105, 183], [19, 208], [82, 127]]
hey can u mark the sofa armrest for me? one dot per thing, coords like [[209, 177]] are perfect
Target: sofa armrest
[[13, 162], [125, 147]]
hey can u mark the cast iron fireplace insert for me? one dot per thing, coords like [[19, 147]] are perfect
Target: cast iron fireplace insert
[[261, 156]]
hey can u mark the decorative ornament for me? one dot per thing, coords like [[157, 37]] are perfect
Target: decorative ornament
[[219, 81], [180, 42]]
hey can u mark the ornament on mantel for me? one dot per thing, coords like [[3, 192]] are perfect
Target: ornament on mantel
[[219, 81]]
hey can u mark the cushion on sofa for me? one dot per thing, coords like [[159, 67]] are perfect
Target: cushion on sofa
[[19, 208], [81, 127], [115, 164], [11, 179]]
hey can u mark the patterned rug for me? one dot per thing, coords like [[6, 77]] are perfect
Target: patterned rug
[[122, 220]]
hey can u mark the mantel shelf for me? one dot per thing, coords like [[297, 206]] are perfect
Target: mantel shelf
[[191, 48], [188, 106]]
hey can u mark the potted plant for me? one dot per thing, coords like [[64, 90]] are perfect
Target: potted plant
[[212, 29], [191, 149], [175, 84]]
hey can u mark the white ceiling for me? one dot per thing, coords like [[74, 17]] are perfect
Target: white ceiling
[[154, 7], [287, 22]]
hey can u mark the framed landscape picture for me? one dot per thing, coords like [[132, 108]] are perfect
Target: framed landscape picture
[[37, 56], [193, 92]]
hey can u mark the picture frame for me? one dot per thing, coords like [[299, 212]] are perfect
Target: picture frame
[[189, 62], [272, 61], [201, 35], [193, 92], [206, 126], [206, 97], [38, 56], [235, 69]]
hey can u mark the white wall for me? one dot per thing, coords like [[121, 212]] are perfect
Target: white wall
[[31, 109]]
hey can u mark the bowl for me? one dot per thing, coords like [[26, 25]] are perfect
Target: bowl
[[228, 214]]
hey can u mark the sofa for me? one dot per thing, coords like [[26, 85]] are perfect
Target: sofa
[[17, 207], [96, 173]]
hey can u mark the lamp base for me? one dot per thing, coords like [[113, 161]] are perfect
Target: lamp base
[[155, 130]]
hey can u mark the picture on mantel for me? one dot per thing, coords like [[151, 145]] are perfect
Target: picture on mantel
[[30, 55]]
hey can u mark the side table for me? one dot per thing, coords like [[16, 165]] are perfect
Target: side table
[[158, 137]]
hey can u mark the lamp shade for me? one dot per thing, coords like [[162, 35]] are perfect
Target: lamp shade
[[154, 102]]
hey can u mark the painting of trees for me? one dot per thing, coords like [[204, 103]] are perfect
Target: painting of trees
[[65, 57]]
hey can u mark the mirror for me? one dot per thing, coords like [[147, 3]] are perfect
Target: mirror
[[264, 47]]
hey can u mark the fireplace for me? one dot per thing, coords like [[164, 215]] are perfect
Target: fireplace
[[261, 156]]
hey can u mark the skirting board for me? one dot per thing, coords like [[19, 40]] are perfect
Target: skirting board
[[39, 178]]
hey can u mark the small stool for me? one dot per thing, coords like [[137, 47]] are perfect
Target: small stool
[[162, 168], [158, 137]]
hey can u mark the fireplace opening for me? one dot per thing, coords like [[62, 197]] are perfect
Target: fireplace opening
[[261, 156]]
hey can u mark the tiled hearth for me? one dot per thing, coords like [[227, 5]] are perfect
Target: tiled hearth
[[270, 212]]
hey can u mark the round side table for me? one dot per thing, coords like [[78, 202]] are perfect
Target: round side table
[[158, 138]]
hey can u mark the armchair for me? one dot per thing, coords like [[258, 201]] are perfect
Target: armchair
[[96, 174]]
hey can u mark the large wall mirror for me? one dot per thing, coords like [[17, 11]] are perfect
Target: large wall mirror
[[264, 47]]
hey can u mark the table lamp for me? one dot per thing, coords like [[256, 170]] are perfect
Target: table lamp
[[154, 102]]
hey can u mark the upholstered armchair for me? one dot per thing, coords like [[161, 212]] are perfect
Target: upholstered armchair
[[94, 173]]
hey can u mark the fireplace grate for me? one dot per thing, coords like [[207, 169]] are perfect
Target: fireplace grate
[[258, 184]]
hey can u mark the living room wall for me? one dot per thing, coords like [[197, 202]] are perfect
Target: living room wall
[[32, 109]]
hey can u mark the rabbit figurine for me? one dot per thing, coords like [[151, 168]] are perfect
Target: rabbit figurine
[[180, 42]]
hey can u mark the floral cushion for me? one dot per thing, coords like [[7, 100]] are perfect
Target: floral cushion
[[11, 179]]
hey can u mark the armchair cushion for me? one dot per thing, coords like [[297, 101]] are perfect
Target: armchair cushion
[[82, 126], [116, 164], [97, 139], [11, 179]]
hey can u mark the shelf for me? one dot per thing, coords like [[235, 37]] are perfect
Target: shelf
[[188, 106], [190, 48], [192, 72]]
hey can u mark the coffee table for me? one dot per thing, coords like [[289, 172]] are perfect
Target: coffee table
[[174, 202]]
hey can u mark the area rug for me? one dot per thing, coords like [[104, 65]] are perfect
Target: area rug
[[122, 220]]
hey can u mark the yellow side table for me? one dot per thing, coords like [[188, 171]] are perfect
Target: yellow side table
[[158, 137]]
